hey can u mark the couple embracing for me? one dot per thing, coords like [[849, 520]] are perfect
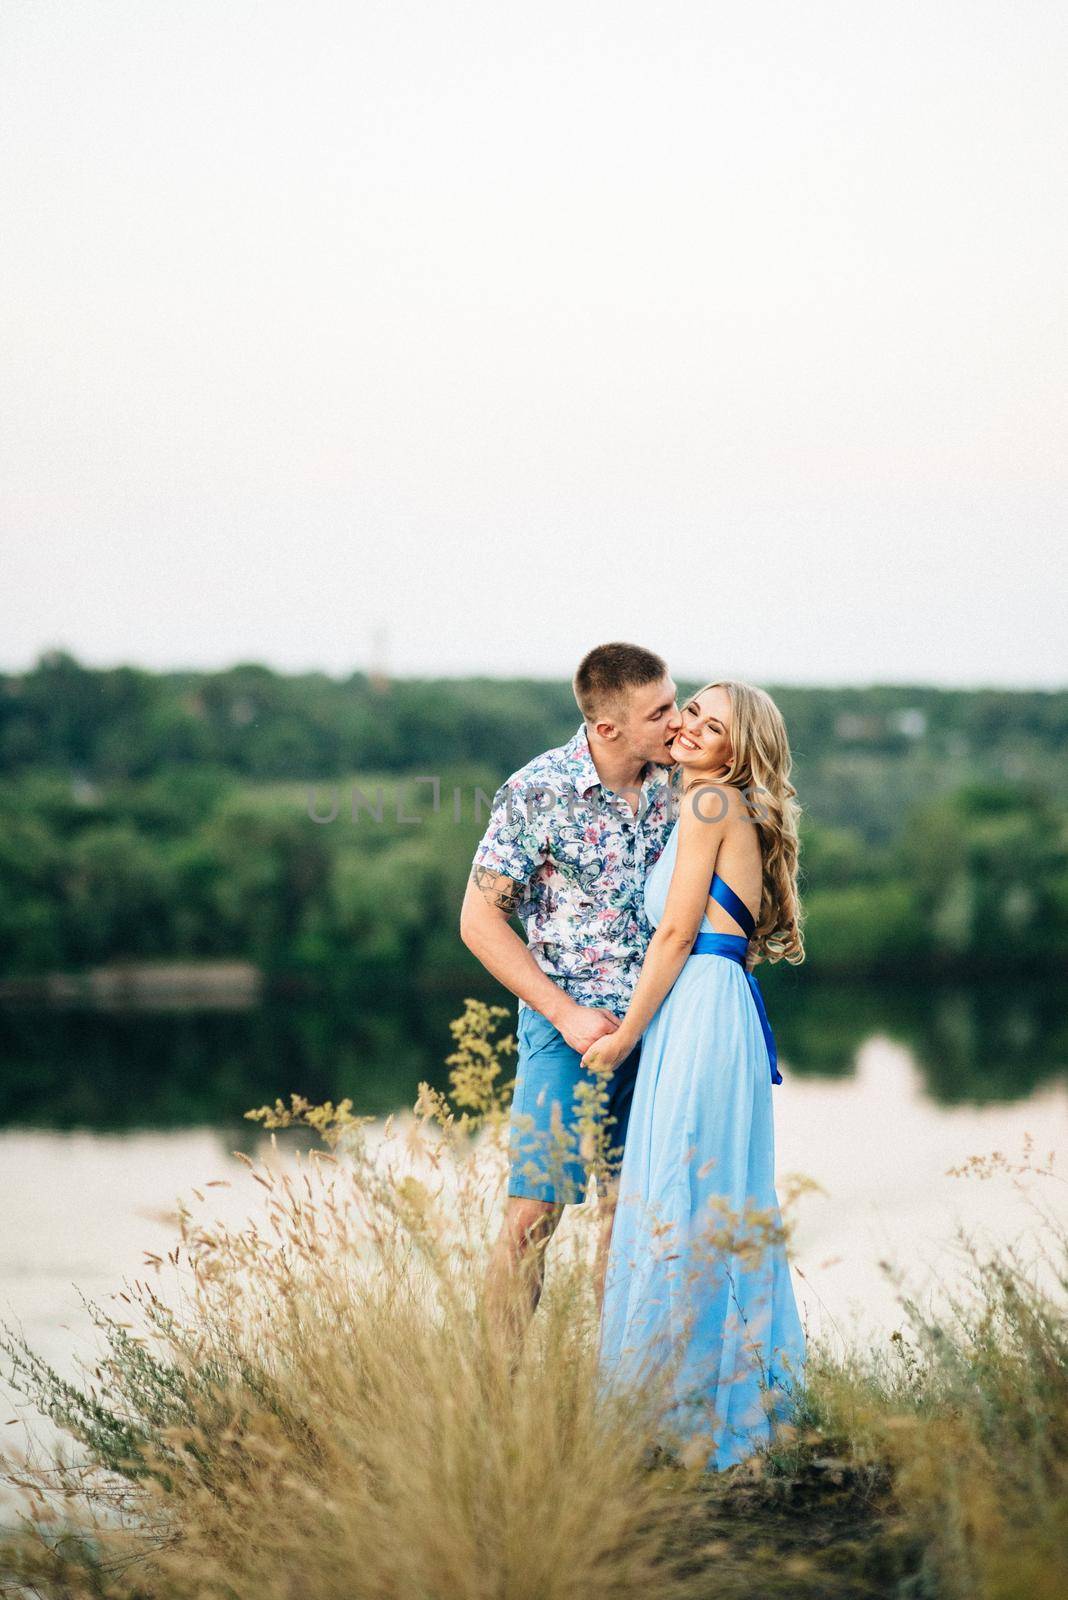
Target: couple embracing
[[652, 861]]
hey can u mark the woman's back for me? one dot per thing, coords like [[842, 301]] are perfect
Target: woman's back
[[738, 863]]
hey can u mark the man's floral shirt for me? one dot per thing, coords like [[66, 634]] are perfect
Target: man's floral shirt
[[581, 855]]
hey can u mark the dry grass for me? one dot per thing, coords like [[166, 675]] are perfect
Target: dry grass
[[321, 1407], [969, 1416]]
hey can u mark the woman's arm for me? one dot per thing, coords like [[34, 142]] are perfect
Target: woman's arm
[[695, 861]]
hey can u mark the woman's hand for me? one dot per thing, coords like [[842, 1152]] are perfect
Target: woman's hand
[[604, 1055]]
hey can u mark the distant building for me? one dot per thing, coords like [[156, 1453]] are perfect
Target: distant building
[[910, 721]]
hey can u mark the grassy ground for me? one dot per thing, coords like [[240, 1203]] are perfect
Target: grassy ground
[[322, 1405]]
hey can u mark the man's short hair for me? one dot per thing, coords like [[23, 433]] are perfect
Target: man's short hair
[[607, 674]]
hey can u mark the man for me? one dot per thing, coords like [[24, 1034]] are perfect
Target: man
[[569, 841]]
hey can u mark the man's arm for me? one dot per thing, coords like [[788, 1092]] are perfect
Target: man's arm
[[490, 900]]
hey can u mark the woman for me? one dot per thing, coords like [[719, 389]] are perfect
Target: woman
[[697, 1289]]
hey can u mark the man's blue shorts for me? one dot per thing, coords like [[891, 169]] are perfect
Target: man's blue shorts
[[545, 1162]]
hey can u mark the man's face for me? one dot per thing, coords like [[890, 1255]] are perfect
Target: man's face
[[650, 721]]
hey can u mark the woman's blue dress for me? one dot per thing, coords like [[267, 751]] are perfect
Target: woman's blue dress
[[697, 1285]]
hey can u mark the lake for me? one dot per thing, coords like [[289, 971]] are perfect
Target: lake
[[107, 1118]]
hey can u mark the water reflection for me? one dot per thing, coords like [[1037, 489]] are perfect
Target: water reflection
[[115, 1070], [971, 1043]]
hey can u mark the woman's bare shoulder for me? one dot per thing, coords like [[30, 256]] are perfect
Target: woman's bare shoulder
[[705, 814], [716, 801]]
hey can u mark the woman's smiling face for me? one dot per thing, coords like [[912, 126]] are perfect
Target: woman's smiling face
[[703, 743]]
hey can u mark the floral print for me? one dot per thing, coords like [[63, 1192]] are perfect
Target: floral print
[[581, 855]]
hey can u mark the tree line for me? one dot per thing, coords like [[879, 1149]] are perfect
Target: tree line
[[168, 815]]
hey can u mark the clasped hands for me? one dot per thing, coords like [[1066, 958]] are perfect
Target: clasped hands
[[605, 1054], [595, 1033]]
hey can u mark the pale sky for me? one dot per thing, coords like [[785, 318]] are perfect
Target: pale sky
[[472, 335]]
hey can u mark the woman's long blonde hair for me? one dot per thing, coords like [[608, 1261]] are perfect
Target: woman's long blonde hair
[[761, 769]]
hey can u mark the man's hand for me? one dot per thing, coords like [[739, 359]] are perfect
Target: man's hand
[[582, 1026]]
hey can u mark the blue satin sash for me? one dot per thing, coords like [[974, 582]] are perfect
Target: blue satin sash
[[722, 892], [734, 947]]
